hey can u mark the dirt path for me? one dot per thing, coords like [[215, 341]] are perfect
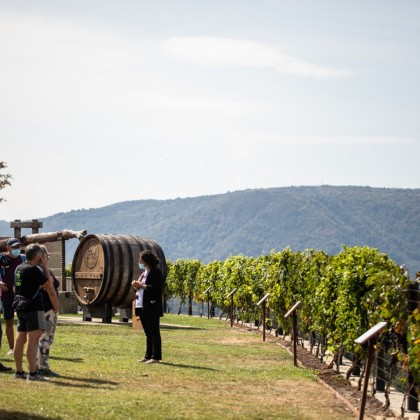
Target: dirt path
[[337, 382]]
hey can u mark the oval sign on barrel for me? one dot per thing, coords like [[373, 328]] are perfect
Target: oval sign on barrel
[[104, 266]]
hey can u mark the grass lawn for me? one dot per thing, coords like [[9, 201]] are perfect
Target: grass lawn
[[209, 371]]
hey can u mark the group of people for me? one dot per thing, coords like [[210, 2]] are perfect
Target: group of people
[[29, 288]]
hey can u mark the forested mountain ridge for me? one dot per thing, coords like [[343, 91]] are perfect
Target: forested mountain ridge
[[254, 222]]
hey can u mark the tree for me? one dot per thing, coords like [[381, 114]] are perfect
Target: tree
[[4, 179]]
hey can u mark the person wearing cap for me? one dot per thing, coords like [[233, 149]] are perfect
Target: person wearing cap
[[8, 264]]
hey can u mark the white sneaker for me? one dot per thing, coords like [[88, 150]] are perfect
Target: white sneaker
[[10, 352]]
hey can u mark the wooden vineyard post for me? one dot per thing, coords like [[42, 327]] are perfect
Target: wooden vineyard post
[[263, 302], [369, 338], [293, 312], [230, 295]]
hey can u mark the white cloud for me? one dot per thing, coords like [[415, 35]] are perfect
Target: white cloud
[[210, 51]]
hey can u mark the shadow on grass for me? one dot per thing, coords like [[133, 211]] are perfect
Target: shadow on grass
[[83, 382], [187, 366], [178, 327], [61, 381], [9, 372], [68, 359], [17, 415], [70, 324]]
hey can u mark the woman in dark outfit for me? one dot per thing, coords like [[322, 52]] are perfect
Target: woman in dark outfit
[[149, 306]]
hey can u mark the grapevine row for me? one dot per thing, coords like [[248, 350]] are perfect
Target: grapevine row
[[342, 295]]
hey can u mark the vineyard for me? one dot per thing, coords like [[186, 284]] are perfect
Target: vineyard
[[341, 296]]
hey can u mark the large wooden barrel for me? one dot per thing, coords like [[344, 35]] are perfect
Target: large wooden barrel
[[104, 266]]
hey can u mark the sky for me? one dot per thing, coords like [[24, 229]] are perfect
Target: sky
[[106, 101]]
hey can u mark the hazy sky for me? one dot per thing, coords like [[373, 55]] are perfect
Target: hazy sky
[[106, 101]]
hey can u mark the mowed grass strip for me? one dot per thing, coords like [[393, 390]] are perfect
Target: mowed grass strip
[[209, 371]]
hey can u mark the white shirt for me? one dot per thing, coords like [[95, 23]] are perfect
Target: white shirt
[[140, 292]]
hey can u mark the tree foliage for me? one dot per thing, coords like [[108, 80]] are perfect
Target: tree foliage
[[4, 179], [414, 344]]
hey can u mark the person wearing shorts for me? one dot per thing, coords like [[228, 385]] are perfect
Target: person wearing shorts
[[8, 264], [31, 321], [2, 367]]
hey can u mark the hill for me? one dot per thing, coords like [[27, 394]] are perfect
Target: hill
[[254, 222]]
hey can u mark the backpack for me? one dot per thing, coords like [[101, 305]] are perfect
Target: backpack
[[4, 263]]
